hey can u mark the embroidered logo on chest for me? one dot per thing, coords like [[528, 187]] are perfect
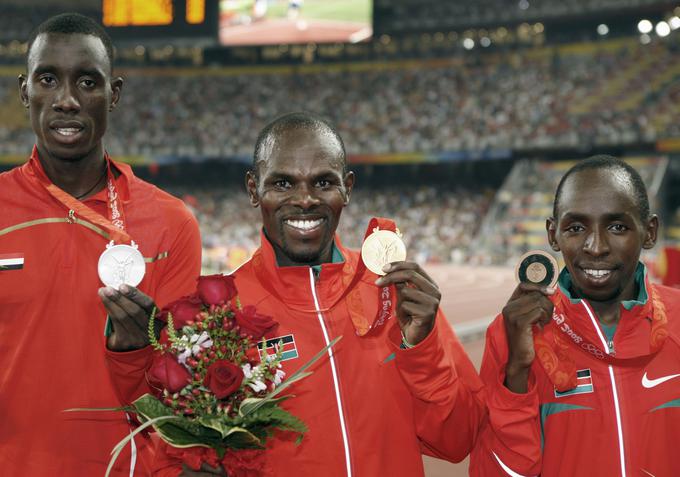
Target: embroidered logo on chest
[[584, 384], [286, 343]]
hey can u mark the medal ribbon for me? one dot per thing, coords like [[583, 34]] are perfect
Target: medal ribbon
[[553, 348], [386, 301], [115, 226]]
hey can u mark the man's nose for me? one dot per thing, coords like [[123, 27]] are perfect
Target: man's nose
[[596, 243], [66, 99], [304, 196]]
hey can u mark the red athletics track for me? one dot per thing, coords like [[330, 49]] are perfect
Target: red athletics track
[[469, 295], [284, 31]]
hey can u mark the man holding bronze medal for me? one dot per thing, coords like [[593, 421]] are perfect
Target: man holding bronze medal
[[71, 216], [584, 378], [398, 383]]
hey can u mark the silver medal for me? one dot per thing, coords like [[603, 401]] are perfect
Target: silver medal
[[120, 264]]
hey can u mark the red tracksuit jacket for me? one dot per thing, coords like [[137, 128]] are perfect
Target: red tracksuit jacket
[[52, 342], [619, 421], [371, 408]]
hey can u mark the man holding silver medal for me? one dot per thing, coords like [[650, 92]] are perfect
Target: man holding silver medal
[[583, 378], [398, 383], [71, 216]]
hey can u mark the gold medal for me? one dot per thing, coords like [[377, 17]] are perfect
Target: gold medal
[[381, 248], [537, 267]]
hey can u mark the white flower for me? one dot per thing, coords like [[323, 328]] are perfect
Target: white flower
[[200, 341], [258, 386], [183, 356], [247, 371], [278, 377]]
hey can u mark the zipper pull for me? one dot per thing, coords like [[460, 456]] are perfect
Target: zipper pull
[[71, 219], [611, 347]]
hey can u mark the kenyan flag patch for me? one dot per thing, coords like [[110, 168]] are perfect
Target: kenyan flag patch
[[11, 261], [286, 343], [584, 384]]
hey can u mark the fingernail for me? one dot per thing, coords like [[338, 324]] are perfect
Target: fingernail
[[124, 289], [550, 290], [379, 281], [109, 292], [387, 268]]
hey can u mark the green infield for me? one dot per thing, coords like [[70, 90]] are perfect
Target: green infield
[[359, 11]]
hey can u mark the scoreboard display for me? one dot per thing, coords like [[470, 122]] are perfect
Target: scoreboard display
[[160, 18]]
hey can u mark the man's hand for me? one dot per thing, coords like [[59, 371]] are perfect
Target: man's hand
[[129, 310], [528, 306], [417, 299], [205, 471]]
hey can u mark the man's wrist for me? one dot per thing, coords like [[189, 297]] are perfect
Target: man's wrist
[[517, 378]]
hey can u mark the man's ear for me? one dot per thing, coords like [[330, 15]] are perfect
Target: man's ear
[[116, 86], [551, 228], [23, 90], [651, 233], [349, 185], [251, 187]]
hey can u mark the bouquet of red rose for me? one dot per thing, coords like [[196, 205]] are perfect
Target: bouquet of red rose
[[216, 390]]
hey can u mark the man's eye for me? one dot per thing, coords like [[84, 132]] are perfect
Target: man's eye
[[88, 83], [618, 227], [47, 80], [323, 183], [282, 184], [574, 228]]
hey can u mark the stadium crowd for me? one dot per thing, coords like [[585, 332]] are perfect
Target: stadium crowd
[[438, 224], [515, 100]]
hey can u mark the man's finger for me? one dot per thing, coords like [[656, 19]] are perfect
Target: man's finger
[[411, 277], [394, 266], [134, 294], [526, 288]]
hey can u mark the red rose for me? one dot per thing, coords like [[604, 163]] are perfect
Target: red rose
[[183, 310], [253, 355], [251, 323], [216, 289], [167, 373], [223, 378]]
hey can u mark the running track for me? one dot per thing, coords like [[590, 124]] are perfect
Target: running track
[[470, 297]]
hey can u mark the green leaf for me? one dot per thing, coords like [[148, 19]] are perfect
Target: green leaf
[[121, 445], [248, 403], [182, 431]]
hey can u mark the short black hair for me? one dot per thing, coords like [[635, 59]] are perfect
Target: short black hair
[[73, 23], [296, 120], [603, 161]]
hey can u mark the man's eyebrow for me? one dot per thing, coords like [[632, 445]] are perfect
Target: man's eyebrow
[[85, 71]]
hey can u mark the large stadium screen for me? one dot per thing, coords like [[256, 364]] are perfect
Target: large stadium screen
[[267, 22], [161, 18]]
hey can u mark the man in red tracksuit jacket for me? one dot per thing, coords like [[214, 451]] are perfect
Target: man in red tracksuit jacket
[[585, 379], [383, 396], [57, 218]]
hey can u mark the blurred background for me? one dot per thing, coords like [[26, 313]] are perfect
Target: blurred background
[[459, 117]]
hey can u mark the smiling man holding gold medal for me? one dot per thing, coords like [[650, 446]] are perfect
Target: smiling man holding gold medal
[[70, 216], [398, 383]]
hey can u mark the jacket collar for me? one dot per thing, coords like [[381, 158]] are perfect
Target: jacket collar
[[123, 172], [293, 285]]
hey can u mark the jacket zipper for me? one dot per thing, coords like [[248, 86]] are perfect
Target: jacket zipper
[[609, 347], [336, 383]]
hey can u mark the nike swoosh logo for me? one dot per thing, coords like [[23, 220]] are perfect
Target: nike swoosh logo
[[651, 383]]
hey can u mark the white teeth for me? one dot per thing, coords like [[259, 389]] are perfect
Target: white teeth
[[596, 273], [304, 224], [67, 131]]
